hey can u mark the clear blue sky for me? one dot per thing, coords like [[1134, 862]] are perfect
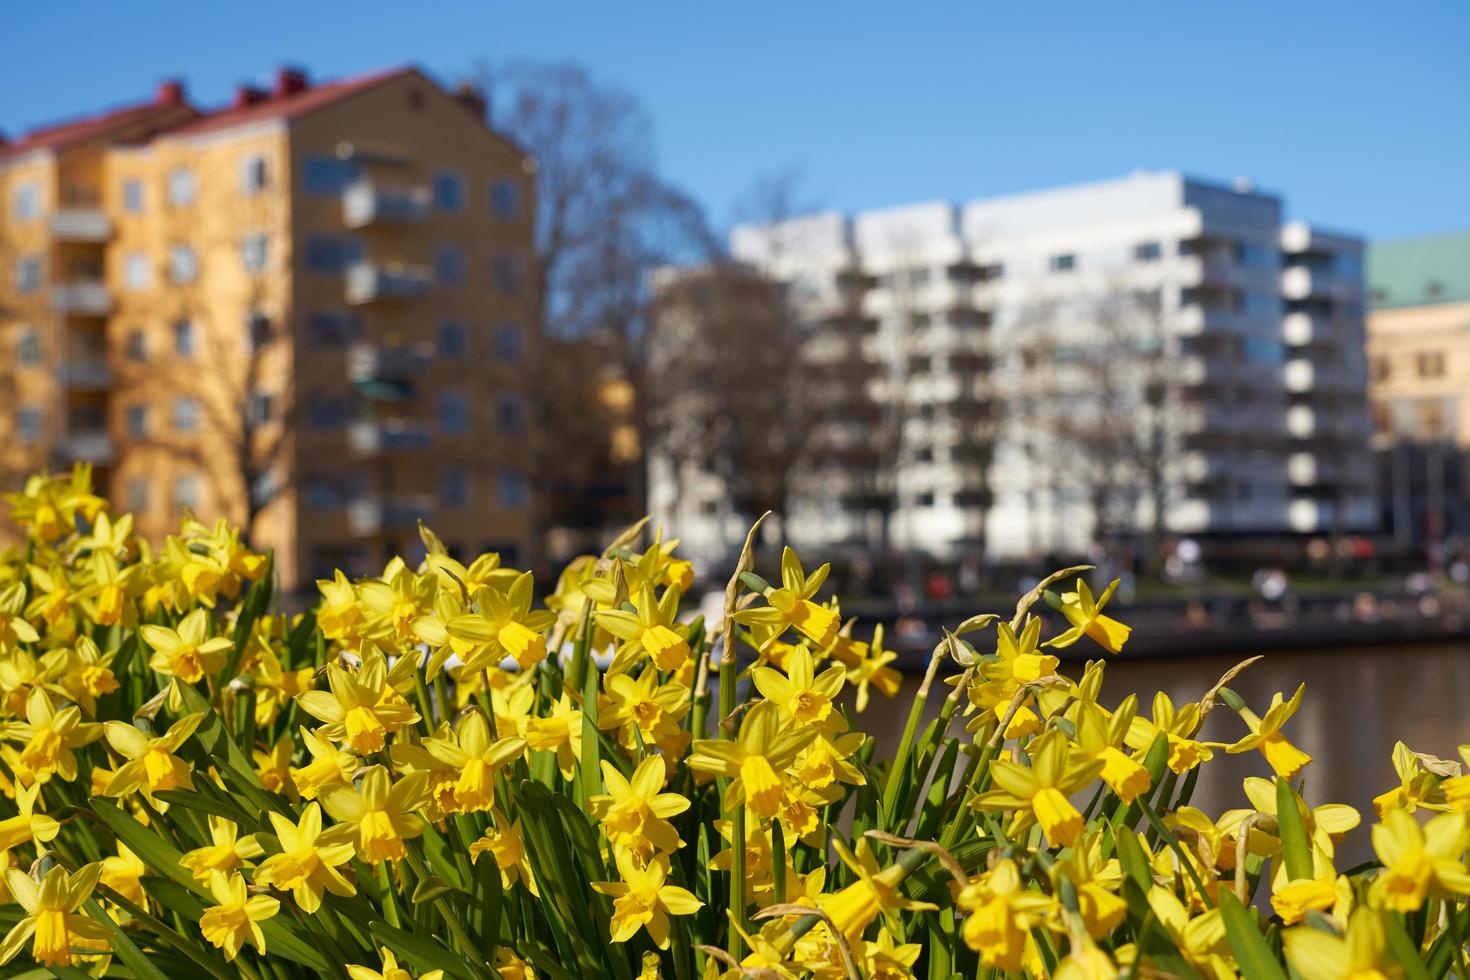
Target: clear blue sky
[[1355, 111]]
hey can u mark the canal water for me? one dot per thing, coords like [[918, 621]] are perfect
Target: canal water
[[1358, 702]]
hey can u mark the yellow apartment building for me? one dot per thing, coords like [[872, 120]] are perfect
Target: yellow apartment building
[[310, 311], [1419, 340]]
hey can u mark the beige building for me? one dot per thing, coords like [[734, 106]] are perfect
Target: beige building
[[1419, 340], [310, 311]]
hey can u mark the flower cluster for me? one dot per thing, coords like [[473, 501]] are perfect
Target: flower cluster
[[436, 773]]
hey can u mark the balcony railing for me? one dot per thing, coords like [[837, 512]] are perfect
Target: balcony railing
[[368, 517], [365, 204], [87, 446], [369, 283], [81, 225], [371, 362], [86, 374], [373, 438], [89, 298]]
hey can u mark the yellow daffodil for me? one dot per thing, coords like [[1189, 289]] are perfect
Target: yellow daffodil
[[559, 731], [308, 862], [188, 653], [235, 918], [359, 710], [505, 625], [1084, 613], [1000, 913], [50, 919], [477, 758], [1361, 954], [1265, 736], [227, 852], [870, 668], [52, 737], [643, 899], [801, 695], [641, 707], [27, 825], [756, 761], [1039, 793], [390, 970], [152, 766], [649, 630], [508, 848], [1419, 862], [792, 605], [123, 873], [634, 813], [380, 810], [1178, 727]]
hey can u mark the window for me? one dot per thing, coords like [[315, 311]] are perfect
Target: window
[[514, 489], [1251, 255], [1148, 251], [184, 338], [331, 329], [28, 348], [137, 494], [925, 499], [1431, 364], [328, 253], [27, 203], [1432, 419], [453, 339], [509, 415], [995, 270], [1382, 368], [181, 187], [506, 343], [264, 488], [328, 176], [257, 330], [252, 175], [28, 274], [454, 487], [326, 413], [1262, 351], [1260, 303], [454, 413], [448, 191], [186, 414], [183, 264], [253, 251], [28, 423], [132, 196], [186, 492], [322, 494], [135, 348], [449, 266], [1063, 263], [136, 272], [923, 454], [506, 271], [137, 421], [260, 408], [505, 199]]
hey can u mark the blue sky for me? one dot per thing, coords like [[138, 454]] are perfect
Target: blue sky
[[1355, 112]]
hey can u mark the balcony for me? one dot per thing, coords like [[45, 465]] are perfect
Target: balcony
[[367, 363], [89, 373], [366, 518], [374, 438], [365, 204], [1303, 329], [81, 225], [1300, 282], [87, 446], [370, 283], [83, 298]]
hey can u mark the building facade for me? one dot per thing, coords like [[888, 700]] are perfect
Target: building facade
[[1059, 367], [309, 311], [1419, 358]]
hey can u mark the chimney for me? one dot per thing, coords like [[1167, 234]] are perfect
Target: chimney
[[290, 81], [170, 92], [247, 95], [471, 98]]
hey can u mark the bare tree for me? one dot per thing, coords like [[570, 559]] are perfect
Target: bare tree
[[605, 219]]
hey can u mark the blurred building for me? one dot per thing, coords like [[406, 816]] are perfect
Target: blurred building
[[1419, 356], [1061, 366], [308, 311]]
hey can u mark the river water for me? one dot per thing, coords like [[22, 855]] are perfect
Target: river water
[[1358, 702]]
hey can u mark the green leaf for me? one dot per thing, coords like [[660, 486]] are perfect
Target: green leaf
[[123, 947], [1296, 850], [1256, 960], [257, 600], [161, 857], [1403, 947]]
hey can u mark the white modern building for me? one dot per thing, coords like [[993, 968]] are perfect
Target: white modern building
[[1056, 368]]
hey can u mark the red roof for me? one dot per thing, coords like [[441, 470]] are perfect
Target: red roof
[[61, 135], [288, 106]]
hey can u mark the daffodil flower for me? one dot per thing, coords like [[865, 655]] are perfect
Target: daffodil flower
[[227, 852], [329, 765], [1179, 728], [1296, 898], [380, 810], [235, 918], [308, 862], [477, 757], [50, 919], [643, 899], [755, 761], [801, 695], [1421, 782], [188, 653], [1084, 613], [123, 873], [1100, 736], [1419, 862], [1017, 663], [508, 849], [27, 825], [1039, 793], [651, 629], [792, 605], [559, 731], [359, 709], [634, 813], [52, 736], [1361, 954], [152, 766], [504, 625], [641, 707], [1000, 913], [1286, 759]]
